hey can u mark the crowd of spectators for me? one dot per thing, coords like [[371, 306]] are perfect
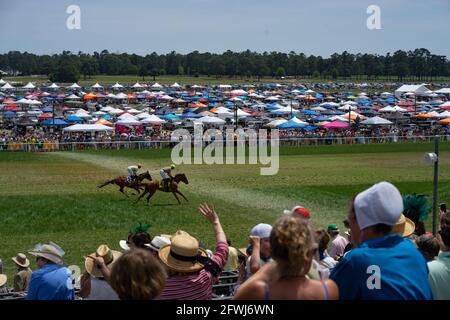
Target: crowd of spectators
[[385, 253]]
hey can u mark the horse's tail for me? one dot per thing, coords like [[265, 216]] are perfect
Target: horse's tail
[[106, 183]]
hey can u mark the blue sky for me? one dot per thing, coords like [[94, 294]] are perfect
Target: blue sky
[[316, 27]]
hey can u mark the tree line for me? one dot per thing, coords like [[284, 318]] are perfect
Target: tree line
[[419, 64]]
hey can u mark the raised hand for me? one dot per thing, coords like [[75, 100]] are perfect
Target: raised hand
[[208, 213]]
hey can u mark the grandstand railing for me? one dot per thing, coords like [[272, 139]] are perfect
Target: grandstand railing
[[160, 144]]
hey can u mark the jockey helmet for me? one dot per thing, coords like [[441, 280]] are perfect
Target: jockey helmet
[[139, 165], [172, 166]]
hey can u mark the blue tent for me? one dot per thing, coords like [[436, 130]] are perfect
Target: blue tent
[[191, 115], [320, 119], [106, 117], [169, 116], [47, 109], [57, 122], [291, 124], [9, 114], [74, 118], [310, 112], [310, 128]]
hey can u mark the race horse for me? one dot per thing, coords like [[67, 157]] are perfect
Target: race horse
[[122, 182], [154, 185]]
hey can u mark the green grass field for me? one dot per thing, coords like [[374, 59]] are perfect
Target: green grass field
[[54, 196], [204, 80]]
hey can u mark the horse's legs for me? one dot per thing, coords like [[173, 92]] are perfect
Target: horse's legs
[[176, 197], [121, 190], [150, 194], [143, 194], [179, 192]]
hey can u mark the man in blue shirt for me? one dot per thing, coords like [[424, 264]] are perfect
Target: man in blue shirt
[[52, 281], [382, 265]]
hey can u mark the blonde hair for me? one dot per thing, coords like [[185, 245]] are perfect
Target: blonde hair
[[291, 243], [138, 275]]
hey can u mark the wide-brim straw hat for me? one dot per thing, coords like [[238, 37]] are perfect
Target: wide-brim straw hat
[[49, 252], [181, 254], [404, 227], [21, 260], [3, 279], [109, 256]]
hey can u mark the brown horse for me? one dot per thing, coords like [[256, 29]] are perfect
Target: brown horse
[[122, 182], [152, 186]]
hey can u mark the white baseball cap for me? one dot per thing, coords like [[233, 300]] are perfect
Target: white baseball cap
[[261, 230], [158, 242], [381, 203]]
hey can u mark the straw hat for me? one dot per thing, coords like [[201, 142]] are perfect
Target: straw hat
[[404, 227], [21, 260], [3, 279], [51, 252], [108, 255], [181, 255]]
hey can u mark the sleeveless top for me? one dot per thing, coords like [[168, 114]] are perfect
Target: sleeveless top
[[325, 288]]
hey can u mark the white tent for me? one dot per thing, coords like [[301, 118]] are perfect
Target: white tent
[[128, 121], [175, 85], [276, 123], [445, 114], [239, 92], [297, 120], [387, 109], [143, 115], [121, 96], [87, 128], [96, 86], [347, 107], [137, 85], [224, 86], [2, 82], [377, 121], [73, 97], [153, 119], [117, 86], [127, 116], [319, 109], [115, 111], [443, 90], [74, 86], [7, 86], [445, 104], [107, 109], [417, 89], [29, 85], [53, 86], [399, 109], [156, 86], [211, 120]]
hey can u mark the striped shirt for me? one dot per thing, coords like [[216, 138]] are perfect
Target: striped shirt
[[197, 286]]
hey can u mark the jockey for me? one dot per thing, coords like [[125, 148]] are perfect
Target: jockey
[[132, 171], [166, 175]]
